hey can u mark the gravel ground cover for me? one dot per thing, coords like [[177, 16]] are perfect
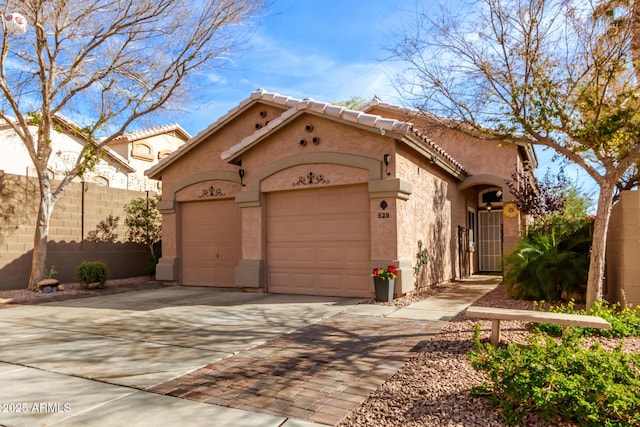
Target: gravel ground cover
[[433, 388], [73, 290]]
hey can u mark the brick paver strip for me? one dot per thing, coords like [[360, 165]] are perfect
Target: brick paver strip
[[318, 373]]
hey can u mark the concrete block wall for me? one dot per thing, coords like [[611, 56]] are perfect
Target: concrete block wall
[[623, 250], [79, 210]]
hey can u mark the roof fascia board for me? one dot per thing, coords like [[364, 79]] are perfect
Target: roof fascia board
[[154, 172], [434, 157]]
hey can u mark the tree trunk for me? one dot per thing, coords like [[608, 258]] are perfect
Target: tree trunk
[[599, 244], [39, 258]]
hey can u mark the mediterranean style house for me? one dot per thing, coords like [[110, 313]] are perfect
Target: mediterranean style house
[[123, 162], [145, 148], [298, 196]]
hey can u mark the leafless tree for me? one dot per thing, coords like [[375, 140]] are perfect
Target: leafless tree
[[561, 73], [105, 64]]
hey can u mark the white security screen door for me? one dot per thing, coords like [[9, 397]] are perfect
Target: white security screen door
[[490, 240]]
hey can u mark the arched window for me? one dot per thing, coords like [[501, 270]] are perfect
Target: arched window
[[162, 154], [142, 151], [100, 180], [490, 198]]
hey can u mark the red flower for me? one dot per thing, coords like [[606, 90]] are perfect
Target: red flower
[[385, 273]]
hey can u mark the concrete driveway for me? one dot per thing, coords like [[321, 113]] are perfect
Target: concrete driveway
[[89, 361]]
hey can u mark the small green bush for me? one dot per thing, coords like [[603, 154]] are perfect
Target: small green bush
[[92, 272], [625, 322], [548, 378]]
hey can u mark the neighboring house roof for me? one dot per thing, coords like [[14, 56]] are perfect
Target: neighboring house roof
[[294, 107], [157, 130], [526, 145]]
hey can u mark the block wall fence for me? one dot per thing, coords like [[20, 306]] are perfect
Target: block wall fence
[[79, 211], [623, 250]]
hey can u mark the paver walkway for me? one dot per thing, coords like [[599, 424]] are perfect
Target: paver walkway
[[318, 373], [323, 371]]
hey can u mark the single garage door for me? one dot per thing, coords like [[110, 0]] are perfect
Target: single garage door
[[318, 241], [210, 242]]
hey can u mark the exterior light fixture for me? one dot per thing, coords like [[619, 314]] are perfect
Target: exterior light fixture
[[241, 173], [488, 206], [387, 159]]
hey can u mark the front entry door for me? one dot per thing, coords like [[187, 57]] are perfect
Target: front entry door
[[490, 240]]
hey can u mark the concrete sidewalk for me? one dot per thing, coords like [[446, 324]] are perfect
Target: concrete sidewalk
[[200, 356]]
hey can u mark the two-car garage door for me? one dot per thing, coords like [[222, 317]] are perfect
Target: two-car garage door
[[318, 241]]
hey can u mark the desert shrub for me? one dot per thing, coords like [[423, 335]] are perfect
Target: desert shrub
[[625, 322], [92, 272], [550, 265], [548, 378]]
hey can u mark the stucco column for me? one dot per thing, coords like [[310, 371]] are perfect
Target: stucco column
[[384, 198], [167, 268], [250, 272]]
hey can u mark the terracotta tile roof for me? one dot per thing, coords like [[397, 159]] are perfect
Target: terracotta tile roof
[[445, 121], [372, 121], [157, 130], [294, 107], [258, 95]]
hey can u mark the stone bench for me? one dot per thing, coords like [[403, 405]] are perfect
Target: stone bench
[[565, 319]]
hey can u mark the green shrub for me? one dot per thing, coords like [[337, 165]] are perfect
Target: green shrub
[[546, 379], [92, 272], [625, 322]]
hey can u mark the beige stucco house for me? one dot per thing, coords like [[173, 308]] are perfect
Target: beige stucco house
[[146, 147], [121, 165], [299, 196], [111, 170]]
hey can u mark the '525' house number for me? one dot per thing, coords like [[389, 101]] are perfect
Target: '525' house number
[[383, 214]]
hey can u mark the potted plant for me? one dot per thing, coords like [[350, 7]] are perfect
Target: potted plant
[[384, 282]]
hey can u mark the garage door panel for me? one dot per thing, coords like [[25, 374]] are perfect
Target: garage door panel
[[210, 242], [318, 241]]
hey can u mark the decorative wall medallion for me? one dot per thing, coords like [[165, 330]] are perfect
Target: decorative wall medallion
[[211, 192], [311, 179], [510, 210]]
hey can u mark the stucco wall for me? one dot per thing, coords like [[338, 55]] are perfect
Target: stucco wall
[[65, 149], [75, 215], [623, 250], [430, 216]]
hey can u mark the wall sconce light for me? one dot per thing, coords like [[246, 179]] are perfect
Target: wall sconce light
[[488, 206], [241, 173], [387, 159]]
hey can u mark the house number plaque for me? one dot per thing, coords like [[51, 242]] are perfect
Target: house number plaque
[[383, 214]]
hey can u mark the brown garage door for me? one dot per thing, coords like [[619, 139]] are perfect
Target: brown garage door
[[318, 241], [210, 242]]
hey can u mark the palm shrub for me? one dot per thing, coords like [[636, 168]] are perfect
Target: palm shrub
[[549, 264]]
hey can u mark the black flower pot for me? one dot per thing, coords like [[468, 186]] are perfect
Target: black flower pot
[[384, 288]]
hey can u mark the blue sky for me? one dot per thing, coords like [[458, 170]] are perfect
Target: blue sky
[[329, 50], [326, 50]]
